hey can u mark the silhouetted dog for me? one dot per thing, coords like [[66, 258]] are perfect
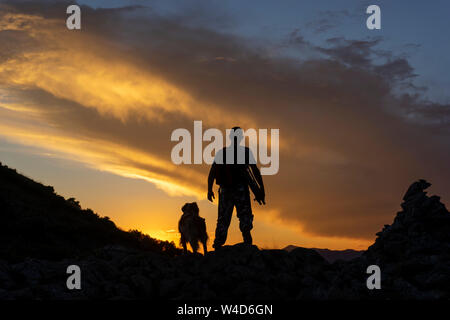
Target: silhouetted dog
[[192, 228]]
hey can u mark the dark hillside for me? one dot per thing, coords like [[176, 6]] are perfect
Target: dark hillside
[[36, 222]]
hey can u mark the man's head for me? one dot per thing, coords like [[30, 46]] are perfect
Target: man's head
[[236, 135]]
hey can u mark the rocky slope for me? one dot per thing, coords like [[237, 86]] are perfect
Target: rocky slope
[[412, 253]]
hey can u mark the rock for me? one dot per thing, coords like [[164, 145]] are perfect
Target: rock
[[6, 280], [415, 189], [170, 287], [143, 286], [30, 271], [22, 294], [415, 244], [122, 291], [5, 294]]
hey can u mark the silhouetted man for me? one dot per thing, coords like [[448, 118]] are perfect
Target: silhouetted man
[[233, 180]]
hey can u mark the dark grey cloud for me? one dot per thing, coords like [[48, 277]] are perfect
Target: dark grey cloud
[[327, 20]]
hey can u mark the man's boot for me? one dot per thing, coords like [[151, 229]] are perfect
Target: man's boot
[[247, 237]]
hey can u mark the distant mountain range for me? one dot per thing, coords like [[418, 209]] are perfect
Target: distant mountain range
[[332, 255]]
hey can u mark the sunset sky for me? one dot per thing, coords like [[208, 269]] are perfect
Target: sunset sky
[[362, 113]]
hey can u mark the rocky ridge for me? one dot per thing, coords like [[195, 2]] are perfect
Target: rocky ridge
[[412, 253]]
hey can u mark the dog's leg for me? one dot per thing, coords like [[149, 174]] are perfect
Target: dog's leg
[[194, 245], [183, 243]]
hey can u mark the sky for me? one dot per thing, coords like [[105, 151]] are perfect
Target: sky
[[362, 113]]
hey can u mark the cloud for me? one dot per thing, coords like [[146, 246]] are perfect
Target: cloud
[[112, 94], [328, 20]]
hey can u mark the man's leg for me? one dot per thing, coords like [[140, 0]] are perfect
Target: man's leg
[[244, 213], [226, 206]]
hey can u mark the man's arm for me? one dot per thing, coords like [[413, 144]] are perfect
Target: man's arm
[[258, 178], [211, 177]]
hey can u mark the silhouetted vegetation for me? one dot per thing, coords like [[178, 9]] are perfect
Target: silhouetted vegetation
[[36, 222]]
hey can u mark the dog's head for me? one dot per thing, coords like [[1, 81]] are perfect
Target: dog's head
[[190, 209]]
